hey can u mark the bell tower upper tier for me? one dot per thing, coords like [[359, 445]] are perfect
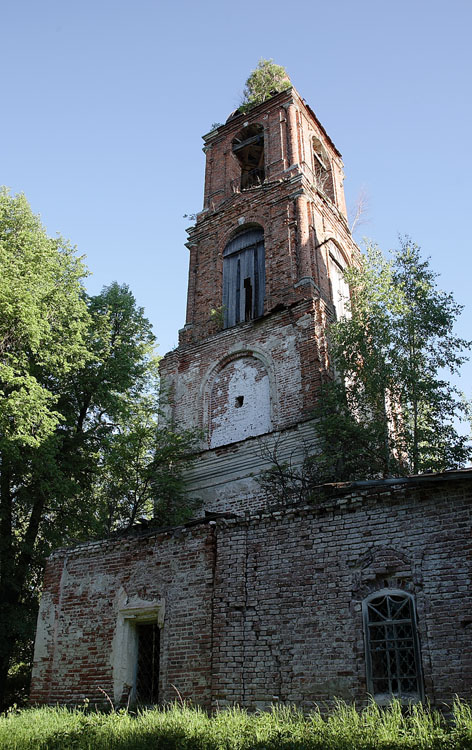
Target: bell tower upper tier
[[276, 140], [273, 220]]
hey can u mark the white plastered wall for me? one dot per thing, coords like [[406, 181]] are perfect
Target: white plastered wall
[[246, 397]]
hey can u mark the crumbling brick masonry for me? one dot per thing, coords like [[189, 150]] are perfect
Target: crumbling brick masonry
[[266, 608]]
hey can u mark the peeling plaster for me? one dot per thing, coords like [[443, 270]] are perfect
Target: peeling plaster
[[46, 618], [240, 402]]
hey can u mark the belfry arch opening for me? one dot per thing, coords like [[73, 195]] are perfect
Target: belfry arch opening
[[248, 147], [322, 169]]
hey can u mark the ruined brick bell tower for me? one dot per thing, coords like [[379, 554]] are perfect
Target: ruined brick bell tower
[[267, 255], [364, 594]]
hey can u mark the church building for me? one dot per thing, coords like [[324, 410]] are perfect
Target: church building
[[366, 591]]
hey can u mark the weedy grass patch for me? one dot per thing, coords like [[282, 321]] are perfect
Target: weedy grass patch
[[180, 727]]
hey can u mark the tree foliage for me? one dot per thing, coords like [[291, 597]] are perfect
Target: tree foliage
[[82, 449], [265, 80], [43, 318], [292, 479], [388, 409], [152, 485], [392, 409]]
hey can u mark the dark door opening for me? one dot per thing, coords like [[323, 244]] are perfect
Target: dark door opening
[[147, 677]]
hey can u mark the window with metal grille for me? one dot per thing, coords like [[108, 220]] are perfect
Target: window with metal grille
[[244, 277], [392, 647], [147, 674]]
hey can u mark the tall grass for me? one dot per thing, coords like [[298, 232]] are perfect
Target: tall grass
[[283, 728]]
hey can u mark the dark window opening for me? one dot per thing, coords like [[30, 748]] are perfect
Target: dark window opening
[[239, 401], [147, 676], [393, 660], [247, 299], [244, 277], [248, 147], [238, 291]]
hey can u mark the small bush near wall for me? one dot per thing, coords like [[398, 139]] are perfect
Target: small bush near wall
[[283, 728]]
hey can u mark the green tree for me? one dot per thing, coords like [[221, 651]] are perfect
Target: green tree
[[265, 80], [391, 409], [81, 450], [115, 450], [388, 408], [152, 486], [43, 325], [43, 318]]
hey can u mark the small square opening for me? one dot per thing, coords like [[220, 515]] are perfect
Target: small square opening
[[239, 401]]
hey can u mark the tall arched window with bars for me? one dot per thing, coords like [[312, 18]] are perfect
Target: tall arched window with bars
[[392, 646]]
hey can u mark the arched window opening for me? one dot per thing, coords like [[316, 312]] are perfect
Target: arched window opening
[[392, 647], [244, 277], [339, 285], [248, 147], [322, 169]]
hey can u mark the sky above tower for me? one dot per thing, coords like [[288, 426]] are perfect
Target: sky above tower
[[105, 103]]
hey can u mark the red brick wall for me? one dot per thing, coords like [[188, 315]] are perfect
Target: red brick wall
[[290, 584], [289, 126], [297, 223], [300, 225], [269, 607], [291, 345], [85, 589]]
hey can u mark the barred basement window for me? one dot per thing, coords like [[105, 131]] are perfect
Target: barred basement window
[[392, 647]]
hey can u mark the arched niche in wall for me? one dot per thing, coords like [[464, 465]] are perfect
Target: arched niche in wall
[[248, 148], [239, 401], [244, 276]]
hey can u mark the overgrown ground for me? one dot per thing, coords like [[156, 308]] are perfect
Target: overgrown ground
[[184, 728]]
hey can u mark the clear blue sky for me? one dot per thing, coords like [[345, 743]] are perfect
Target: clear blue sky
[[104, 104]]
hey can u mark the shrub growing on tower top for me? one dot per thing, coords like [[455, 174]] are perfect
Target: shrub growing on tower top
[[265, 81]]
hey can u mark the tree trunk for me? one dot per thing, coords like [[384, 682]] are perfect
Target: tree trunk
[[15, 562], [7, 567]]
